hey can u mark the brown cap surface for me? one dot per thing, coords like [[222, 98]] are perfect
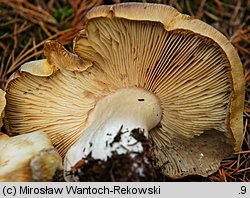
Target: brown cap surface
[[2, 106]]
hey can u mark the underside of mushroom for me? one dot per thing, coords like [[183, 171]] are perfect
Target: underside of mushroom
[[156, 70]]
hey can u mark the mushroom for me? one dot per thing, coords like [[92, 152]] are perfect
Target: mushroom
[[28, 157], [136, 65]]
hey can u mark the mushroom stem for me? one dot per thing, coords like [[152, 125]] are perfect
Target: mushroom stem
[[110, 123]]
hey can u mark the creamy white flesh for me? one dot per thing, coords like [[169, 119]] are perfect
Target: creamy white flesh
[[124, 110]]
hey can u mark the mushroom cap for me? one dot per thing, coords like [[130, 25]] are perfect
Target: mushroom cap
[[191, 67], [2, 106], [173, 22], [28, 157]]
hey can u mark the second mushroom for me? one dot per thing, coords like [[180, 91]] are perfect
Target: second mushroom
[[135, 66]]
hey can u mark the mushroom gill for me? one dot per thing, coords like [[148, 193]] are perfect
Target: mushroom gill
[[188, 66]]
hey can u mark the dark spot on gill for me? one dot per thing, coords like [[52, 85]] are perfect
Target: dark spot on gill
[[159, 125], [166, 163], [140, 99], [156, 63]]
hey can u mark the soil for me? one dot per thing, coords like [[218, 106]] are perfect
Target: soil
[[120, 168]]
